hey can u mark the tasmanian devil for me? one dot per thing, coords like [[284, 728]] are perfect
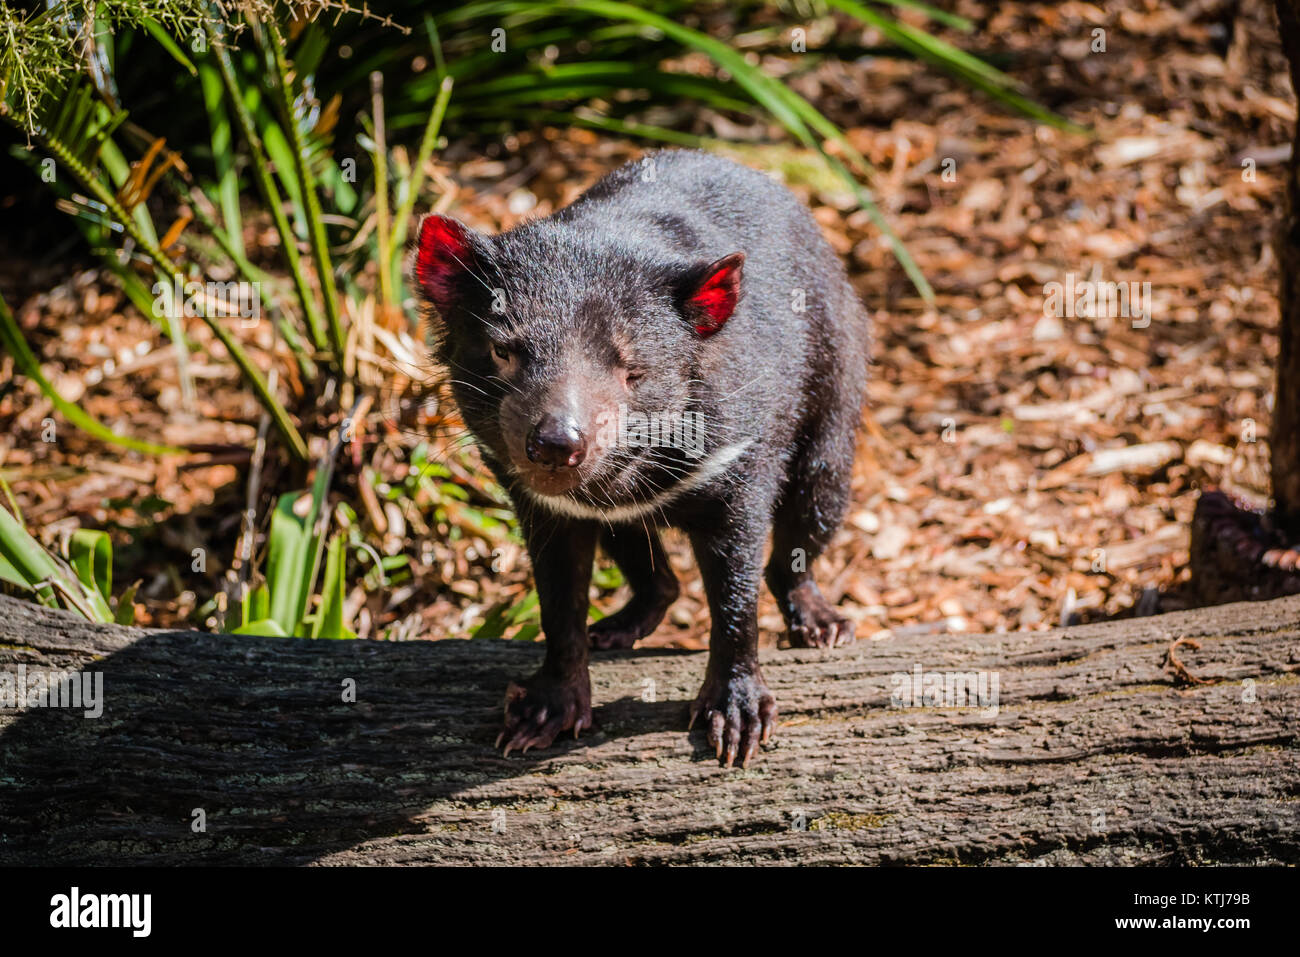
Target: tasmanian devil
[[677, 347]]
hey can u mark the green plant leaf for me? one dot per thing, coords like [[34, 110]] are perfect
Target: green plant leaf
[[31, 565], [290, 561], [170, 45], [125, 614], [528, 633], [934, 13], [316, 233], [266, 627], [13, 502], [259, 603], [800, 118], [11, 575], [91, 553], [138, 226], [958, 62], [329, 621], [27, 565], [223, 154], [495, 621], [410, 188], [246, 104], [11, 338]]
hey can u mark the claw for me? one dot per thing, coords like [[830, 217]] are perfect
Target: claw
[[536, 713], [739, 713]]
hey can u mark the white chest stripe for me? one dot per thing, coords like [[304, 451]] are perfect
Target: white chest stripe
[[708, 469]]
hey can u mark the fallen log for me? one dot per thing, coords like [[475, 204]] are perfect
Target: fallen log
[[1102, 748]]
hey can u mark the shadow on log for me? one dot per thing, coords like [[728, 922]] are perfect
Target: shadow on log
[[1099, 752]]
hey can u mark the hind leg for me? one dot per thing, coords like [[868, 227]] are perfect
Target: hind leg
[[640, 556], [811, 508]]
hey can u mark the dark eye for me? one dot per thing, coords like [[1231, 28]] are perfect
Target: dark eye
[[501, 352]]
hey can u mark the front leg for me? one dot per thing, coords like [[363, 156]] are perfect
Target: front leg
[[558, 696], [640, 557], [738, 709]]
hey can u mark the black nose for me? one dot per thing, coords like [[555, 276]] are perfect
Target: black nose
[[556, 442]]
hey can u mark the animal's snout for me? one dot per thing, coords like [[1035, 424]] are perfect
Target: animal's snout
[[556, 442]]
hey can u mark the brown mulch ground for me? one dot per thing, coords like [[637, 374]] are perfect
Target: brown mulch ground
[[1018, 469]]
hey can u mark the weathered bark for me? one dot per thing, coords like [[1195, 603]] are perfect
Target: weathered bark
[[1284, 437], [1095, 755]]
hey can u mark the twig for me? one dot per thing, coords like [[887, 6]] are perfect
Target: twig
[[1181, 675]]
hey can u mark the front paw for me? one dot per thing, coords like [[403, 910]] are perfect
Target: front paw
[[814, 622], [739, 712], [615, 631], [636, 620], [543, 706], [624, 628]]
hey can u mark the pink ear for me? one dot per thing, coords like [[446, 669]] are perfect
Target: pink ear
[[445, 250], [712, 302]]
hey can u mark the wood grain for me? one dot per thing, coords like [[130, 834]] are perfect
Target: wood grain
[[1095, 755]]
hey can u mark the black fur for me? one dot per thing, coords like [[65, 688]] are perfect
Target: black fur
[[601, 304]]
